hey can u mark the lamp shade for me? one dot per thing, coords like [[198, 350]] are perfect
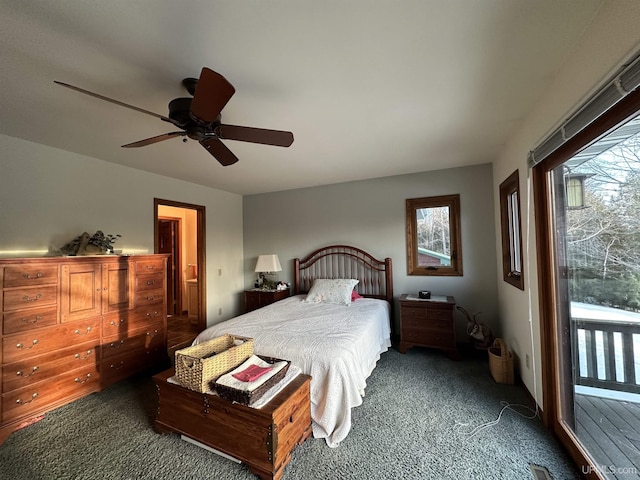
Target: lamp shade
[[268, 263]]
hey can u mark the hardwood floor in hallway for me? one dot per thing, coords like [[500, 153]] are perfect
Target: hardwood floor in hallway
[[180, 334]]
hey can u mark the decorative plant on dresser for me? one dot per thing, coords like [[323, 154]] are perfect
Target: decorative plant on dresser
[[72, 326]]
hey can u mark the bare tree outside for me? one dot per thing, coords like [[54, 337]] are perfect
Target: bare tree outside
[[603, 238]]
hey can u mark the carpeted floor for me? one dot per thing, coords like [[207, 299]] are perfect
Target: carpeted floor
[[414, 424]]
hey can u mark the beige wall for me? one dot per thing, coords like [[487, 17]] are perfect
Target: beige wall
[[370, 215], [611, 39], [49, 196]]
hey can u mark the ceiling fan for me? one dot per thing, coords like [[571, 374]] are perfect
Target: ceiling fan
[[199, 118]]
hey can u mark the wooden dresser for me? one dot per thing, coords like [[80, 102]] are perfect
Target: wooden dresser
[[75, 325], [428, 323]]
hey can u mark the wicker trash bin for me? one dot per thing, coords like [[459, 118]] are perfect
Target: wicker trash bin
[[501, 362]]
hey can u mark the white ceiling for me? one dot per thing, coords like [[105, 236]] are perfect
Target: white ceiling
[[369, 88]]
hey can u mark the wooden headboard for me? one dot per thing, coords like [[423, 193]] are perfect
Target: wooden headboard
[[342, 261]]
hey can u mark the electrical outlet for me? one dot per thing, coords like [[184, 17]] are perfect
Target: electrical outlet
[[527, 363], [220, 313]]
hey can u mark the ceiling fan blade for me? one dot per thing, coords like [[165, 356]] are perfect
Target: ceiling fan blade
[[219, 150], [278, 138], [152, 140], [117, 102], [212, 94]]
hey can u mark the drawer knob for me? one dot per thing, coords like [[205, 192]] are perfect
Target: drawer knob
[[22, 402], [77, 379], [152, 314], [33, 344], [150, 267], [27, 298], [151, 282], [78, 332], [28, 276], [151, 298], [117, 324], [116, 344], [34, 370]]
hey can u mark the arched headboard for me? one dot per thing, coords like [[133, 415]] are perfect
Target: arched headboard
[[343, 261]]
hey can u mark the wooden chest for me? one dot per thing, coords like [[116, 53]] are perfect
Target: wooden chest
[[262, 438], [427, 323]]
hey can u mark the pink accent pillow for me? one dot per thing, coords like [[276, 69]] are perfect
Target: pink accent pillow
[[355, 295]]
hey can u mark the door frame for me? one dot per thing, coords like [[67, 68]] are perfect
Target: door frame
[[552, 362], [201, 256]]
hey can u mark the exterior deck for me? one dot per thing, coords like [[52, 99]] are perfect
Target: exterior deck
[[610, 430]]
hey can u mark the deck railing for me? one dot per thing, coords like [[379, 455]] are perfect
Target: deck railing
[[604, 354]]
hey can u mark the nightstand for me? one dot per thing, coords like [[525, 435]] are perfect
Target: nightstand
[[428, 323], [257, 298]]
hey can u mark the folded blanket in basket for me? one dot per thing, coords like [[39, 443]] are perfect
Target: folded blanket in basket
[[229, 380], [251, 373]]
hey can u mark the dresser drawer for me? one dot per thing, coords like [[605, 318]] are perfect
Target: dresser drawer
[[437, 312], [118, 324], [116, 368], [149, 297], [417, 313], [29, 297], [151, 265], [30, 275], [148, 338], [22, 320], [24, 345], [151, 312], [43, 367], [150, 282], [444, 324], [428, 338], [54, 392]]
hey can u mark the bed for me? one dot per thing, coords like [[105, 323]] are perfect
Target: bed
[[337, 344]]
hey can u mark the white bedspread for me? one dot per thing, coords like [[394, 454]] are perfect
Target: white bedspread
[[337, 345]]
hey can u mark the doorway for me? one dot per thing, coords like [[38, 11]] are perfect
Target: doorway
[[179, 230]]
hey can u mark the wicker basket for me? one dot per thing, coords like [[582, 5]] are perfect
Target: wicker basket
[[196, 366], [501, 362], [250, 397]]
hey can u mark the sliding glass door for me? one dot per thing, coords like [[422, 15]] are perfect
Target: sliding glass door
[[588, 222]]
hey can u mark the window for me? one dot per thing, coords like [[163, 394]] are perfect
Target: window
[[433, 236], [511, 232]]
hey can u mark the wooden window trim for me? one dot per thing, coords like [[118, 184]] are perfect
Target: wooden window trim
[[507, 188], [412, 205]]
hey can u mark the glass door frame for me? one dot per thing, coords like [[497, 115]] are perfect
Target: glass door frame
[[555, 402]]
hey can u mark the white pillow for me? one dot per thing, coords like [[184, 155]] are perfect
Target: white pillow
[[331, 290]]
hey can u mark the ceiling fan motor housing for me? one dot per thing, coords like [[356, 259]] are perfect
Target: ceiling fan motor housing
[[180, 111]]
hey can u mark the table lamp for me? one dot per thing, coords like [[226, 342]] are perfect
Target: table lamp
[[267, 265]]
